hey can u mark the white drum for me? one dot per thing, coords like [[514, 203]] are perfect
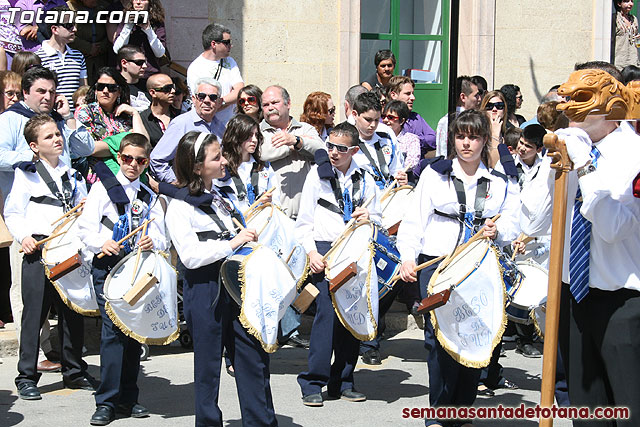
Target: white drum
[[275, 230], [153, 319], [531, 292], [394, 204], [472, 322], [356, 301], [75, 287]]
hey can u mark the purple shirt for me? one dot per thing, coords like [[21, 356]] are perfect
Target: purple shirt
[[415, 124], [34, 5]]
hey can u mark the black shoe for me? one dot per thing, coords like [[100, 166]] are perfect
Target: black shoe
[[29, 391], [528, 350], [483, 390], [80, 383], [509, 385], [134, 411], [298, 341], [351, 395], [372, 357], [104, 415], [312, 400]]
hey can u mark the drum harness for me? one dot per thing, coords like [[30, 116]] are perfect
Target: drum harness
[[62, 198], [381, 173], [250, 191], [346, 202]]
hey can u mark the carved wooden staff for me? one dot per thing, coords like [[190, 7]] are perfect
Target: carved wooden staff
[[562, 165]]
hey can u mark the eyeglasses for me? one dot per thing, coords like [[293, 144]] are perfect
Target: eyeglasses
[[127, 159], [69, 26], [390, 117], [202, 96], [224, 42], [332, 110], [341, 148], [497, 105], [138, 62], [111, 87], [11, 93], [252, 100], [166, 88]]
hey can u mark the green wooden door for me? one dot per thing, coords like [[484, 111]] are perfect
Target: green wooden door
[[417, 31]]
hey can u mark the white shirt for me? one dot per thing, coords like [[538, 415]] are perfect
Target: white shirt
[[529, 172], [422, 231], [392, 155], [316, 223], [266, 180], [25, 217], [98, 205], [229, 77], [609, 204], [184, 221]]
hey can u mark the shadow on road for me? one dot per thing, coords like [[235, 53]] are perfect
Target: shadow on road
[[8, 418]]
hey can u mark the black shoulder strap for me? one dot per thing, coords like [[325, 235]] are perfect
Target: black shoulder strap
[[506, 159], [116, 192], [65, 195], [380, 168], [219, 69], [241, 190]]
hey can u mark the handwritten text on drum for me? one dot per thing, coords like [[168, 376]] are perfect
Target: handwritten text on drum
[[471, 313]]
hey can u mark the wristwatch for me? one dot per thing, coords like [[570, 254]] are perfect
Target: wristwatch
[[298, 142], [586, 170]]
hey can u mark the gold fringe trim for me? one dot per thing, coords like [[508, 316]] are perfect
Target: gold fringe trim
[[539, 331], [142, 340], [269, 348], [503, 325], [305, 272], [346, 325]]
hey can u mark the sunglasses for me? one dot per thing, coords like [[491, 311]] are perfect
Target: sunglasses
[[202, 96], [224, 42], [166, 88], [127, 159], [332, 110], [341, 148], [69, 26], [111, 87], [497, 105], [138, 62], [390, 117], [251, 100]]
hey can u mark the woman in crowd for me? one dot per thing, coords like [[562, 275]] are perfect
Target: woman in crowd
[[181, 100], [24, 60], [9, 89], [494, 105], [151, 37], [250, 102], [394, 115], [385, 62], [626, 52], [513, 96], [319, 112]]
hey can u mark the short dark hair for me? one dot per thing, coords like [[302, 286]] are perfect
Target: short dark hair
[[463, 85], [630, 73], [367, 101], [60, 12], [398, 107], [600, 65], [185, 161], [346, 129], [36, 73], [481, 82], [512, 137], [213, 33], [127, 52], [534, 134], [383, 55], [135, 140], [470, 122], [32, 128]]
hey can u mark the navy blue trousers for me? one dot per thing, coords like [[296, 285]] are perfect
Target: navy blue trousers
[[450, 383], [328, 336], [119, 354], [212, 318]]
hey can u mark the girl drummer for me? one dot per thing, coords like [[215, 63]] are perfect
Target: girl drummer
[[436, 227], [200, 223], [248, 176]]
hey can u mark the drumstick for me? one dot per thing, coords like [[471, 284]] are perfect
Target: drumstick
[[524, 239], [424, 265], [38, 243], [393, 184], [343, 235], [71, 211], [290, 255], [135, 267], [238, 223], [257, 202], [119, 242]]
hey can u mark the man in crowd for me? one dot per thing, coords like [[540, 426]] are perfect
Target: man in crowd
[[215, 62], [202, 118], [156, 118], [467, 97], [132, 64]]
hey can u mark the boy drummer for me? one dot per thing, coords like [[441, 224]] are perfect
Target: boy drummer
[[115, 206], [42, 191], [333, 193]]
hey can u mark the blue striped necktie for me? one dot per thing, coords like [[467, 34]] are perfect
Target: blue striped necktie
[[580, 245]]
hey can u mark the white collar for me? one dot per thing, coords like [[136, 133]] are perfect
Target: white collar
[[49, 50], [481, 172]]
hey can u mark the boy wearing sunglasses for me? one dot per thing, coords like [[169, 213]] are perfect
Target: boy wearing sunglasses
[[115, 206], [333, 194]]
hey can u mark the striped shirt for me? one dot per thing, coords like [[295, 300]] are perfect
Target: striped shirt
[[69, 66]]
